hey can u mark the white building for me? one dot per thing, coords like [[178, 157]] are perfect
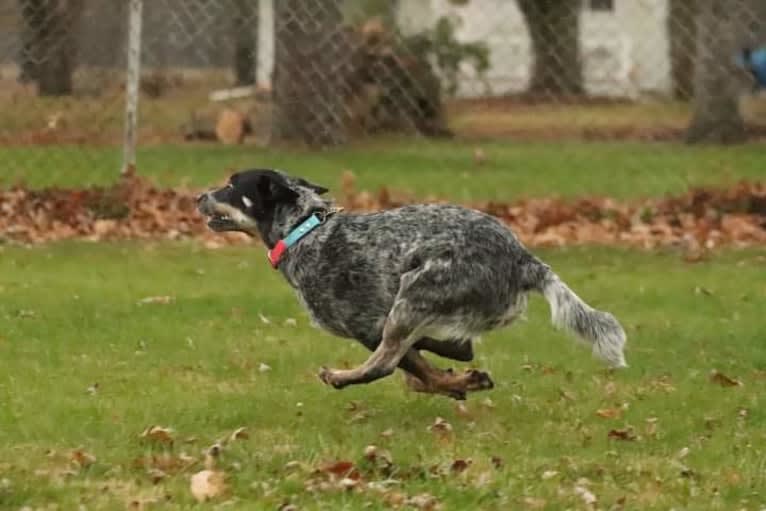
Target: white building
[[624, 43]]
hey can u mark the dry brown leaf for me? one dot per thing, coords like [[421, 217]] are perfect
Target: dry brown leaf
[[721, 379], [626, 434], [340, 468], [207, 484], [609, 413], [135, 208], [158, 434], [82, 458], [387, 433], [460, 465], [371, 452], [239, 434]]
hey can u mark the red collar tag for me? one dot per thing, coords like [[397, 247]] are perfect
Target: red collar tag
[[276, 253]]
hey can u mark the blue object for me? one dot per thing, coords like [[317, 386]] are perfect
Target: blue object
[[754, 60], [302, 230], [275, 254]]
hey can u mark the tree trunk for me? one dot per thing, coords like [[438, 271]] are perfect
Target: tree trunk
[[682, 29], [245, 40], [311, 61], [554, 28], [717, 118], [49, 44]]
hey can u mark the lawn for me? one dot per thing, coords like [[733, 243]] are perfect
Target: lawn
[[86, 368], [444, 169]]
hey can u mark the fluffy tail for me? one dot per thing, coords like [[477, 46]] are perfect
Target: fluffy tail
[[597, 328]]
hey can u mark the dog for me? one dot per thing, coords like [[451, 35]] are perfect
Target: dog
[[421, 277]]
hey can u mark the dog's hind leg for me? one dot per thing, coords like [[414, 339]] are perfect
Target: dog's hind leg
[[454, 349], [421, 376]]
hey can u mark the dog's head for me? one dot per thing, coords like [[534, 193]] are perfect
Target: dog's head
[[264, 202]]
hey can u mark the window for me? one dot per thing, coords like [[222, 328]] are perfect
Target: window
[[601, 5]]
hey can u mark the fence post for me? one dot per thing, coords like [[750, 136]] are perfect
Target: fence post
[[133, 76], [265, 47]]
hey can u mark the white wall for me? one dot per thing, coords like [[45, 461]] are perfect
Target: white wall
[[625, 52]]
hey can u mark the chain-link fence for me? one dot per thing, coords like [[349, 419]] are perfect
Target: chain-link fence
[[329, 72]]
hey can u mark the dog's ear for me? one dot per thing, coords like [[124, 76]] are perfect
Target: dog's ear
[[316, 188], [274, 187]]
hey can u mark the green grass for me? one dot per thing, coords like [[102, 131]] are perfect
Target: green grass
[[69, 319], [444, 169]]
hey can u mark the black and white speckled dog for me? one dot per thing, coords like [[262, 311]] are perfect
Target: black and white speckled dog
[[428, 277]]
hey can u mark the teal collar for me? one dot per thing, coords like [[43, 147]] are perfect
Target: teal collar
[[275, 254]]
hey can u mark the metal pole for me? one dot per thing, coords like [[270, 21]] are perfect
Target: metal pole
[[136, 8], [265, 50]]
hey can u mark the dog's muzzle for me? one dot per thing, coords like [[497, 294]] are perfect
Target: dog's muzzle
[[219, 220]]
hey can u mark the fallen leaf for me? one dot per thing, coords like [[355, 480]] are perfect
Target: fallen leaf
[[721, 379], [207, 484], [424, 502], [488, 403], [156, 475], [158, 434], [82, 458], [163, 300], [264, 319], [497, 462], [291, 322], [339, 469], [263, 368], [462, 410], [586, 495], [609, 413], [440, 426], [212, 454], [626, 434], [651, 426], [387, 433], [348, 483], [549, 474], [370, 452], [460, 465], [239, 434]]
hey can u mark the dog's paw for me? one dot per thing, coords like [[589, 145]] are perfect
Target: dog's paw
[[478, 380], [328, 377]]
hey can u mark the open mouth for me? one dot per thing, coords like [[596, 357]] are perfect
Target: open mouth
[[219, 222]]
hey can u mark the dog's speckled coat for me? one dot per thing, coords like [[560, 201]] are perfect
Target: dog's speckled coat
[[403, 279]]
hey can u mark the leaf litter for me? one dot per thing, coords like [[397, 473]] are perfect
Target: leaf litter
[[134, 208]]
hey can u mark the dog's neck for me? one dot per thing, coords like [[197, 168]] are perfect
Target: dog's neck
[[287, 217]]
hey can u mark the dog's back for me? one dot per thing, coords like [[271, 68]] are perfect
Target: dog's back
[[461, 272]]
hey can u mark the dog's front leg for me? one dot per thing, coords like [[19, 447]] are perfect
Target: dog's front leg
[[398, 338]]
